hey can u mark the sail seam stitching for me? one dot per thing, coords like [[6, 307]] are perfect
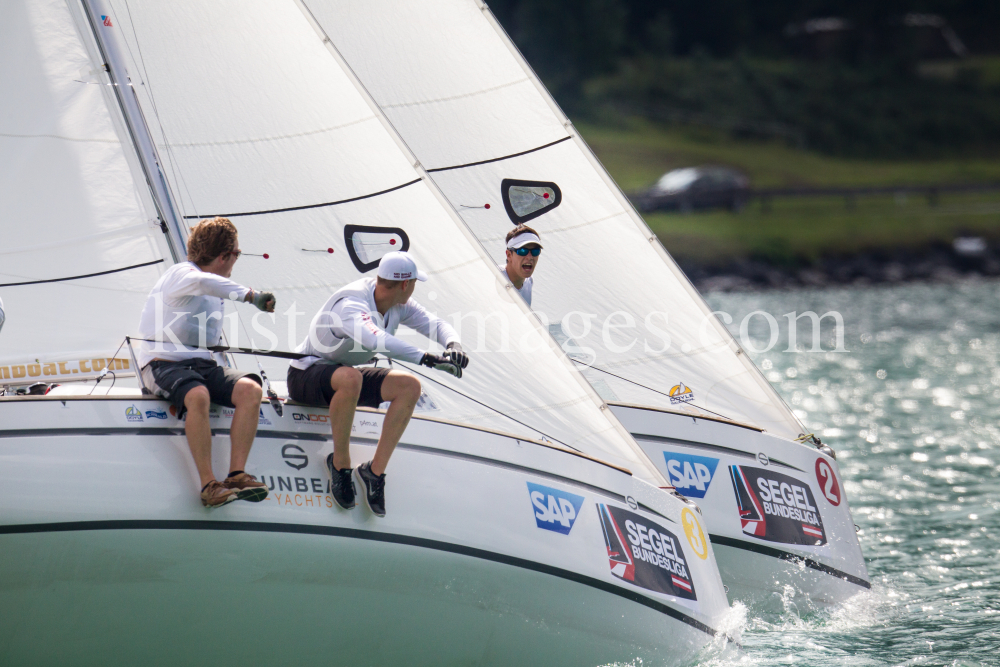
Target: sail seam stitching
[[305, 207], [498, 159], [279, 137], [456, 97], [86, 275]]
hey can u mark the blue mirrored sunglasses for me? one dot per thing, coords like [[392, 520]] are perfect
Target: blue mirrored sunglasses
[[535, 252]]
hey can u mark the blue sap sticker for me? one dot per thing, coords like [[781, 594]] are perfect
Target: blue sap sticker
[[690, 474], [554, 509], [156, 414]]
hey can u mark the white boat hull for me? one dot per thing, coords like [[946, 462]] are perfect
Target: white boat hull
[[108, 557], [776, 509]]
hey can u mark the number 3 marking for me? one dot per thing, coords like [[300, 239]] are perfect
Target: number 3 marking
[[696, 538], [827, 481]]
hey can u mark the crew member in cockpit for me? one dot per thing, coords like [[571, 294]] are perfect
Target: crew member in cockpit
[[359, 320], [523, 248], [183, 314]]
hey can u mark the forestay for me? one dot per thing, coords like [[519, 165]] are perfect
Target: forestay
[[68, 205], [256, 119], [474, 114]]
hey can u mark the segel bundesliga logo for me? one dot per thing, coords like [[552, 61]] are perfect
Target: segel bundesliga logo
[[776, 507], [644, 553], [555, 510], [690, 474]]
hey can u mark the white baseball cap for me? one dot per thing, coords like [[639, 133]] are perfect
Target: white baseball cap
[[523, 239], [399, 266]]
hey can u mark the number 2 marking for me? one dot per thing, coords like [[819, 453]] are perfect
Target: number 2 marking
[[827, 480]]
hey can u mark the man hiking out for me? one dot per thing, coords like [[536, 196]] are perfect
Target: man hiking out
[[357, 321], [184, 315], [523, 249]]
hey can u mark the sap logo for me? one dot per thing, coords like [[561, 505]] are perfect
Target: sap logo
[[156, 414], [690, 474], [106, 20], [554, 509], [133, 414]]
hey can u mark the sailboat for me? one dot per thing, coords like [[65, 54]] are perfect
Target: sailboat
[[472, 111], [523, 522]]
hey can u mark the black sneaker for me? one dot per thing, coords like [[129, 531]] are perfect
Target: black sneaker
[[374, 488], [341, 485]]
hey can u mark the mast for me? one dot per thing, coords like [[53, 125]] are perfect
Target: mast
[[99, 19]]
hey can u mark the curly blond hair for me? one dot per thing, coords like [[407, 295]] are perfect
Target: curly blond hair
[[211, 238]]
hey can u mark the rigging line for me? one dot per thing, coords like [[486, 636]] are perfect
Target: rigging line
[[114, 378], [307, 206], [226, 349], [498, 159], [86, 275], [657, 391], [175, 170], [499, 412]]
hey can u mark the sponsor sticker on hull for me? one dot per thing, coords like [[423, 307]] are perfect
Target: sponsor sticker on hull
[[555, 509], [133, 414], [827, 481], [644, 553], [690, 474], [776, 507]]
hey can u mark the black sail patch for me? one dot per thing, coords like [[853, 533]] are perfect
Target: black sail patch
[[776, 507], [367, 245], [526, 200], [644, 553]]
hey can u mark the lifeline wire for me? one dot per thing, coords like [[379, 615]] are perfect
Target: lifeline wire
[[656, 391], [502, 414], [114, 378]]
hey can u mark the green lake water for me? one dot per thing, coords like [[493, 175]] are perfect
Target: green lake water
[[913, 410]]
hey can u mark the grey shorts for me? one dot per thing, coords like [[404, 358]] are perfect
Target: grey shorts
[[174, 379]]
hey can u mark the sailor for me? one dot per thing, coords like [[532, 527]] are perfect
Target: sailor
[[523, 249], [357, 321], [183, 314]]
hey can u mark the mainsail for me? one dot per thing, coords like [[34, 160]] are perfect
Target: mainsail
[[81, 245], [474, 113], [257, 120]]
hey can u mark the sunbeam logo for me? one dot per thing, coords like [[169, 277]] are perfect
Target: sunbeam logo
[[554, 509], [690, 474]]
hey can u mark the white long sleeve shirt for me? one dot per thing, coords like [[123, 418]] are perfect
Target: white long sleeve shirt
[[349, 330], [185, 307], [525, 290]]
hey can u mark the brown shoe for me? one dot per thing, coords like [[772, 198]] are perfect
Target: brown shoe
[[215, 494], [247, 487]]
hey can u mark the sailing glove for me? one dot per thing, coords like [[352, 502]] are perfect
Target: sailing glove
[[455, 354], [441, 363], [264, 301]]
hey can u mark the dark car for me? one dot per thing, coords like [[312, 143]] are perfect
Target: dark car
[[696, 187]]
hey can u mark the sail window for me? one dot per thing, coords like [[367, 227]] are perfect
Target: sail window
[[367, 245], [526, 200]]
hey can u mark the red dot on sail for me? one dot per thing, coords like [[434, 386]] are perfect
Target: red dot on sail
[[546, 195], [330, 250], [487, 206], [266, 256], [392, 241]]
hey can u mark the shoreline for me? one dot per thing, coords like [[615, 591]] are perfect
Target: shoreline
[[940, 262]]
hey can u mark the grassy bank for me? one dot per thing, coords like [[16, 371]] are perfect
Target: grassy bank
[[796, 230]]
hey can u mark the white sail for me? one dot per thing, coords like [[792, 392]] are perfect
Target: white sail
[[256, 119], [474, 113], [68, 206]]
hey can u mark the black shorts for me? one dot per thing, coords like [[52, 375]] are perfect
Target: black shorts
[[174, 379], [312, 385]]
